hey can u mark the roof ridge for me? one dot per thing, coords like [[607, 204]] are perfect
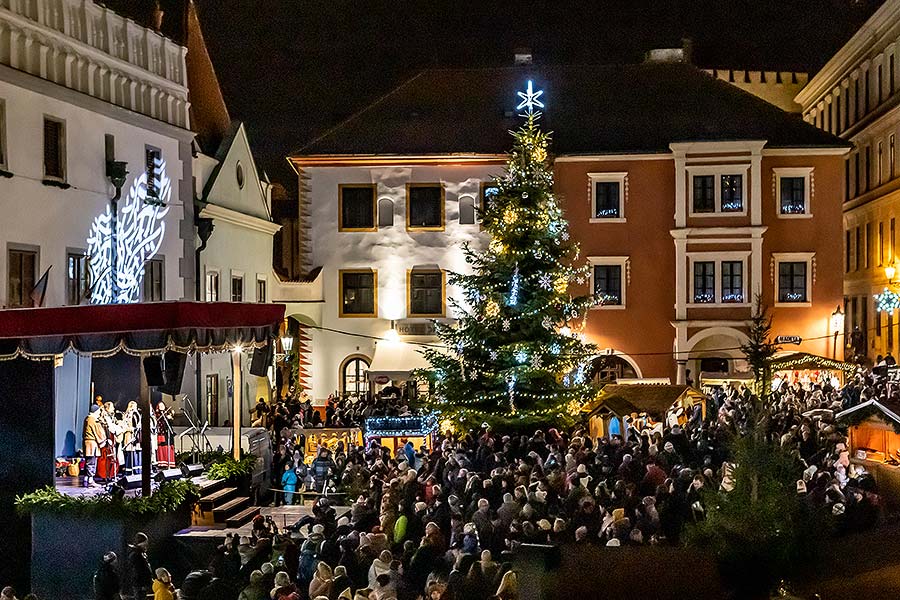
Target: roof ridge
[[358, 113]]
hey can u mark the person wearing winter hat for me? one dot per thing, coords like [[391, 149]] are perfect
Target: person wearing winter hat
[[341, 579], [322, 582], [256, 590], [283, 586], [8, 593], [380, 565], [139, 574], [162, 586]]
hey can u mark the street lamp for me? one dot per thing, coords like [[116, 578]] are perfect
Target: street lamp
[[837, 325], [889, 272], [287, 342]]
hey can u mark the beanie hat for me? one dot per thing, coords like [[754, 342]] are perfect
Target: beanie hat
[[256, 576], [282, 579], [507, 497], [420, 506], [343, 521], [267, 568], [319, 528]]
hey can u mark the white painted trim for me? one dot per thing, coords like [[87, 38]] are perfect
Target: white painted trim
[[240, 219], [717, 171], [619, 354], [207, 272], [613, 177], [832, 151], [708, 147], [680, 281], [715, 328], [687, 232], [806, 173], [620, 261], [612, 157], [808, 258]]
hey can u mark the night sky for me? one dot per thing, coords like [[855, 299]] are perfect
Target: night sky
[[290, 69]]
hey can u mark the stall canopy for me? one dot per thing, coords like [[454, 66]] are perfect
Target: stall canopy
[[799, 361], [149, 328], [886, 410], [654, 400], [396, 360]]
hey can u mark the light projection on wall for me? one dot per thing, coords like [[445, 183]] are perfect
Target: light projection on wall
[[140, 229]]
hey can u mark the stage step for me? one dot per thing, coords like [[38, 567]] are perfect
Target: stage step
[[248, 514], [220, 513], [215, 498]]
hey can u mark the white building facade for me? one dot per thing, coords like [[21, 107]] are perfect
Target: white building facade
[[385, 232], [855, 95], [81, 86]]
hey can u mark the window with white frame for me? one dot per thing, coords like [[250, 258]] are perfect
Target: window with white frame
[[718, 278], [212, 286], [793, 273], [718, 190], [608, 192], [262, 285], [793, 192], [237, 286], [608, 279]]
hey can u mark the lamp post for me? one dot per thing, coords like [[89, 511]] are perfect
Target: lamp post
[[287, 343], [837, 325]]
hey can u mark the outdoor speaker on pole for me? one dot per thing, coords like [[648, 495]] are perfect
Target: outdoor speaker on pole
[[262, 358], [153, 371], [172, 371]]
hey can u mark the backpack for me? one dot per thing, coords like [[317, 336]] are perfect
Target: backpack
[[309, 560]]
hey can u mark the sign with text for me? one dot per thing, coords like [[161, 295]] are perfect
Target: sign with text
[[789, 339]]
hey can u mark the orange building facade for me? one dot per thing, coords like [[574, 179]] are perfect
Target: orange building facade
[[690, 272]]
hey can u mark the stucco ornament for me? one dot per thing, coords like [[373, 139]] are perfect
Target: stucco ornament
[[140, 229]]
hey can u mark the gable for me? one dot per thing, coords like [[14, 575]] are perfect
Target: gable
[[223, 187]]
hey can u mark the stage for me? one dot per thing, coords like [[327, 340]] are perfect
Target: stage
[[282, 515], [71, 486]]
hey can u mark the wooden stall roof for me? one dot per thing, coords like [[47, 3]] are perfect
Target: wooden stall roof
[[655, 400]]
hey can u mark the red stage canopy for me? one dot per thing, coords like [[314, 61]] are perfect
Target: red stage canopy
[[137, 328]]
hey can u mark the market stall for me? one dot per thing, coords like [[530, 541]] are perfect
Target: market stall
[[653, 407], [873, 429], [394, 432], [807, 369], [315, 438]]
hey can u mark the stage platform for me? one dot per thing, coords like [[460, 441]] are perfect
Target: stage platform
[[282, 515], [71, 486]]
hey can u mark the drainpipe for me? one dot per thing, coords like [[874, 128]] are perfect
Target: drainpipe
[[205, 228], [116, 172]]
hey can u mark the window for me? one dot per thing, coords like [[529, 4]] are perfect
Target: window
[[54, 149], [867, 92], [608, 284], [868, 244], [261, 285], [607, 197], [21, 277], [356, 204], [3, 163], [892, 240], [239, 174], [857, 99], [212, 286], [237, 288], [153, 163], [892, 155], [856, 181], [608, 278], [732, 281], [704, 199], [847, 251], [878, 323], [426, 293], [355, 377], [385, 212], [732, 193], [425, 206], [466, 210], [846, 180], [880, 165], [358, 293], [153, 280], [78, 286], [880, 243], [704, 282], [793, 186], [212, 399], [794, 272]]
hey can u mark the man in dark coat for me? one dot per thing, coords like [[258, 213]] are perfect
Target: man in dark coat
[[106, 579], [140, 575]]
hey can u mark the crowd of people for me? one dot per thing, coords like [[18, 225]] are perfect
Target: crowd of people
[[444, 522], [340, 411]]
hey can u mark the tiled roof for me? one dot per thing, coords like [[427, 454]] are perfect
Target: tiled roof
[[608, 109]]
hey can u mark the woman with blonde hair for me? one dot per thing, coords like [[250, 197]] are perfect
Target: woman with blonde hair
[[322, 581], [162, 586], [509, 587]]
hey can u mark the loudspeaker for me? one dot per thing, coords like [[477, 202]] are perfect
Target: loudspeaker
[[129, 482], [168, 475], [190, 471], [262, 358], [172, 371], [153, 371]]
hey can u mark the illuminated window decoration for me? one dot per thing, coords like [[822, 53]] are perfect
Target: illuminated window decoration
[[530, 99], [888, 301], [140, 229]]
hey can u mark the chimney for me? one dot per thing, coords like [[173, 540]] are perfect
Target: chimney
[[522, 56], [687, 47], [157, 17], [665, 55]]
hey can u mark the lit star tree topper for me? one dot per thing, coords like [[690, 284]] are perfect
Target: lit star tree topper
[[520, 370]]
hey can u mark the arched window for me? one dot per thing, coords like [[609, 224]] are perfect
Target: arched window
[[385, 213], [355, 376], [609, 369], [466, 210]]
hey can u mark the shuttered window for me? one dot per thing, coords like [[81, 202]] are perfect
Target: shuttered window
[[54, 146], [21, 278]]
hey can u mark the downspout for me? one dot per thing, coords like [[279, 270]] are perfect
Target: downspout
[[205, 227]]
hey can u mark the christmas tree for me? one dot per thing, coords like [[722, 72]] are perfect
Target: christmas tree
[[511, 358]]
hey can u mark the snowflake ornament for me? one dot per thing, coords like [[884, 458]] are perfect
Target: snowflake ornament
[[565, 236], [536, 362], [545, 281], [494, 355], [506, 324], [547, 323], [580, 280]]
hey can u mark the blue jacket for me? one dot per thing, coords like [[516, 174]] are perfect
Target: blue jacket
[[289, 480]]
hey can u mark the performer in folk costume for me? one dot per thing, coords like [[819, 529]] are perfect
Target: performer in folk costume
[[108, 466], [94, 440], [165, 451], [131, 441]]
